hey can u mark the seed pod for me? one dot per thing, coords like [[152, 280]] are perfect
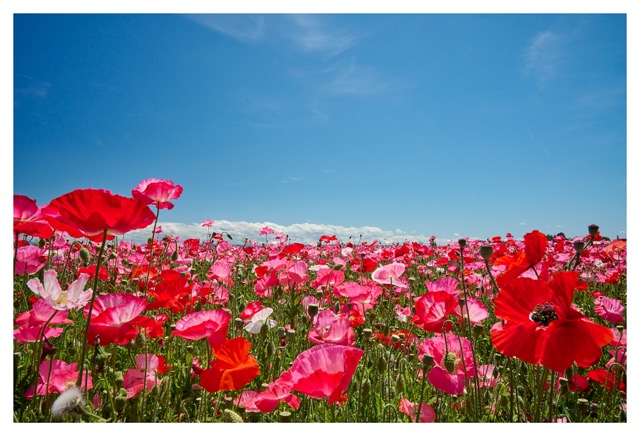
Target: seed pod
[[229, 415], [381, 364]]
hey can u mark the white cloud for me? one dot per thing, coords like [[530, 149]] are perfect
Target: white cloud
[[245, 28], [543, 57], [307, 233], [311, 34]]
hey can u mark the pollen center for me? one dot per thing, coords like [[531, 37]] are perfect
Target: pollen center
[[543, 314]]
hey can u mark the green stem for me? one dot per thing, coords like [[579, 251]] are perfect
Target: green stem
[[83, 354], [540, 394]]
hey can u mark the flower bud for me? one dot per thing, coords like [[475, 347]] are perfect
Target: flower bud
[[367, 333], [427, 361], [486, 251], [462, 243], [264, 330], [381, 365], [366, 388], [85, 256], [450, 362], [578, 246], [290, 334], [593, 229], [313, 310], [174, 256], [282, 332], [478, 330], [229, 415]]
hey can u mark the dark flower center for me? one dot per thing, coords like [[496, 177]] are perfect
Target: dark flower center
[[543, 314]]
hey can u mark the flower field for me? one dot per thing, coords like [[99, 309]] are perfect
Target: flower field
[[271, 330]]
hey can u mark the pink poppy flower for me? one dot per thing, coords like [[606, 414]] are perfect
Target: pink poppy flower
[[52, 293], [158, 192], [250, 310], [295, 274], [207, 223], [29, 260], [365, 295], [323, 371], [136, 379], [609, 309], [486, 377], [432, 310], [446, 284], [30, 323], [267, 401], [57, 376], [115, 318], [477, 311], [266, 231], [327, 278], [27, 218], [390, 275], [210, 324], [330, 328], [452, 365], [427, 413], [221, 271]]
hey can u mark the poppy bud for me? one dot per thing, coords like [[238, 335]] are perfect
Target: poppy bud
[[578, 246], [313, 310], [282, 332], [462, 243], [450, 362], [229, 415], [366, 388], [367, 333], [284, 416], [174, 256], [290, 334], [85, 255], [264, 329], [478, 330], [593, 229], [400, 384], [41, 243], [381, 365], [118, 377], [269, 347], [120, 402], [427, 361], [486, 251]]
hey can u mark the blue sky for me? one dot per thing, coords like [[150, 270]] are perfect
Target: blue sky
[[395, 126]]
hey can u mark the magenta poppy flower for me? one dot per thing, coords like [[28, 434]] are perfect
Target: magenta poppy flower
[[30, 323], [323, 371], [27, 218], [427, 413], [210, 324], [452, 365], [609, 309], [330, 328], [136, 379], [29, 260], [446, 284], [366, 295], [116, 318], [57, 376], [477, 311], [390, 275], [266, 231], [267, 400], [89, 212], [327, 278], [432, 310], [157, 192]]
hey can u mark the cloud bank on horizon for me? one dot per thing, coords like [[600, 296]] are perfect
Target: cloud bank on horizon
[[306, 233]]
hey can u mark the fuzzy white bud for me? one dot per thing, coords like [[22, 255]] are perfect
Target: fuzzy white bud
[[67, 402]]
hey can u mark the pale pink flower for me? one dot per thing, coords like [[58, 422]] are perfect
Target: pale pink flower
[[29, 260], [390, 275], [207, 223], [136, 379], [74, 297], [266, 231], [477, 311], [330, 328], [452, 365]]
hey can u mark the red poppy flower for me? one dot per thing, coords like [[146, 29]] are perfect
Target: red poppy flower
[[89, 212], [535, 247], [606, 378], [542, 326], [172, 292], [232, 369], [432, 310]]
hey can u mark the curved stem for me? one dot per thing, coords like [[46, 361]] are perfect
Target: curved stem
[[93, 297]]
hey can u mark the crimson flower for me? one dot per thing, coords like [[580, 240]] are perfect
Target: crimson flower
[[210, 324], [232, 369], [542, 327], [535, 247], [158, 192], [433, 309], [89, 212]]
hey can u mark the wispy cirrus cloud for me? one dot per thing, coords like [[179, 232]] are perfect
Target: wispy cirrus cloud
[[311, 33], [307, 233], [544, 56], [245, 28], [28, 87], [355, 79]]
